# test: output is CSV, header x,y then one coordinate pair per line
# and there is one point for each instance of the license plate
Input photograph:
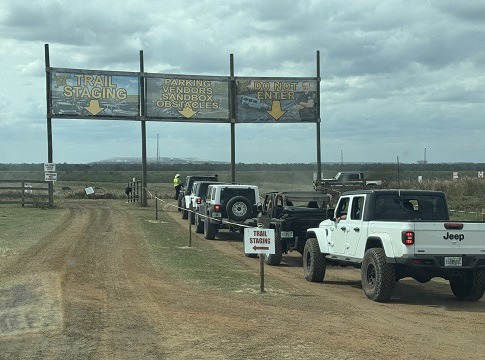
x,y
453,261
287,234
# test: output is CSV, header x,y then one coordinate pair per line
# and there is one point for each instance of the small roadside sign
x,y
480,174
259,241
50,176
49,167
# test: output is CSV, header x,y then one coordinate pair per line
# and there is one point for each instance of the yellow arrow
x,y
276,111
94,107
188,112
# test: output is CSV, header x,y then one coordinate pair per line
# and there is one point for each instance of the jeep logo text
x,y
458,237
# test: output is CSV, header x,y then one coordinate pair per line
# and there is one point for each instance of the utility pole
x,y
341,157
158,152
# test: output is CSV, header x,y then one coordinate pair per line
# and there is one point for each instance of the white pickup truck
x,y
393,234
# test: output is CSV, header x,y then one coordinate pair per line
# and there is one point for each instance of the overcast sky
x,y
399,78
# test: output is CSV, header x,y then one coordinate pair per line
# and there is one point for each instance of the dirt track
x,y
88,290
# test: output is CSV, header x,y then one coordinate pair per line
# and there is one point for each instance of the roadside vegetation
x,y
466,195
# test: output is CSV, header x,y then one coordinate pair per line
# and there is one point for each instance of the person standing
x,y
305,103
177,185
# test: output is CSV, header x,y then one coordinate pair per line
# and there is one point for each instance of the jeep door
x,y
342,226
355,225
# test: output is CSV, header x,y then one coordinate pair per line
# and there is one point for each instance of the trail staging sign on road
x,y
259,241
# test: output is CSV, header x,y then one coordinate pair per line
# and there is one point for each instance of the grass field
x,y
466,196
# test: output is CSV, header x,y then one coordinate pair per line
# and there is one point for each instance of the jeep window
x,y
357,207
315,202
342,208
417,207
201,190
228,193
209,194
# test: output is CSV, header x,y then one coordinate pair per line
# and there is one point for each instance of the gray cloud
x,y
397,76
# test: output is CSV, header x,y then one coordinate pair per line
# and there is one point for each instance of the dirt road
x,y
87,290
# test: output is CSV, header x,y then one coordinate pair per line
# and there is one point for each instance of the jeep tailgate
x,y
447,238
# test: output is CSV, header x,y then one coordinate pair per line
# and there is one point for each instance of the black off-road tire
x,y
377,276
185,213
275,259
239,208
251,255
210,230
199,224
470,287
314,262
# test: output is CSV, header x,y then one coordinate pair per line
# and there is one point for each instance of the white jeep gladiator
x,y
393,234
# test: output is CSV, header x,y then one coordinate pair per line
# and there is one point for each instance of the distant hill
x,y
153,160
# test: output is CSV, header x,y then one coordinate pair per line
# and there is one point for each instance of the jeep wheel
x,y
377,276
469,287
314,263
238,208
275,259
210,230
199,224
251,255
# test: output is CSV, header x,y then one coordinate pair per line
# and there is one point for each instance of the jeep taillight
x,y
217,207
408,237
198,200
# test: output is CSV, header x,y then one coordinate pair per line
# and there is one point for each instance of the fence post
x,y
156,205
23,193
190,228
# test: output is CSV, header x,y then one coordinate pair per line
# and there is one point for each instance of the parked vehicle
x,y
290,214
347,179
393,234
184,195
197,198
228,206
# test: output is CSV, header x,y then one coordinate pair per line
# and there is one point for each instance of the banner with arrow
x,y
94,94
265,100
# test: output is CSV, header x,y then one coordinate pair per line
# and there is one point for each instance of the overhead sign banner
x,y
261,100
94,94
170,97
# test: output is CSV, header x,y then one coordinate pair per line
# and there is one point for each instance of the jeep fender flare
x,y
382,240
322,240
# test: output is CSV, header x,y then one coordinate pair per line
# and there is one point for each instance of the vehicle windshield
x,y
317,202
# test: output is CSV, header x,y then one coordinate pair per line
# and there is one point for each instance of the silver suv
x,y
227,206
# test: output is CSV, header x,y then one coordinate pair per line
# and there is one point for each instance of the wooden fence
x,y
26,192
